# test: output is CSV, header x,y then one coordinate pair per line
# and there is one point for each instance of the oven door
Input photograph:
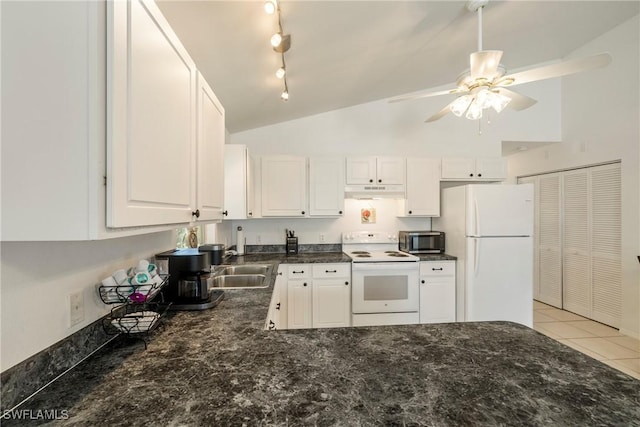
x,y
384,287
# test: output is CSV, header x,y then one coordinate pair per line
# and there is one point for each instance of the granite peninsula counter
x,y
220,367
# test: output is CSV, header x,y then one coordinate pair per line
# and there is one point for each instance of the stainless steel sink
x,y
240,281
232,270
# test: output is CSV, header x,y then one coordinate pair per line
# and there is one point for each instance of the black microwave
x,y
421,242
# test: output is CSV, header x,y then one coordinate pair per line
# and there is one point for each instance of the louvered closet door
x,y
576,256
550,239
536,231
606,244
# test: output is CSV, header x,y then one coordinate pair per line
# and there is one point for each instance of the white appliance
x,y
489,228
384,281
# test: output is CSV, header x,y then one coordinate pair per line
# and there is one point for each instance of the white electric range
x,y
385,281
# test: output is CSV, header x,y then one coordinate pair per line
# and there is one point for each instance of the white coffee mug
x,y
120,276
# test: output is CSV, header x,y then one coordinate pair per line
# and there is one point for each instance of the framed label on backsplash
x,y
368,215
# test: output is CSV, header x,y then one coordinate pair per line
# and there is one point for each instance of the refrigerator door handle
x,y
476,218
476,254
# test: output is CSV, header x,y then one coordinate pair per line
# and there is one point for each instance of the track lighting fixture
x,y
280,43
270,6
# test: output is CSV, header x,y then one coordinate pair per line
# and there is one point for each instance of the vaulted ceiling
x,y
345,53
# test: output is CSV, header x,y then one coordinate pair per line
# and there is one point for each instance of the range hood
x,y
374,191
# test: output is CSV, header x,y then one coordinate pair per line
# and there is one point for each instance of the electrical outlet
x,y
76,311
258,239
321,237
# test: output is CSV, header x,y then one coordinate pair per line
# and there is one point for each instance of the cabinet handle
x,y
302,212
436,269
346,283
298,272
470,174
410,212
340,212
279,273
196,213
278,306
422,281
250,213
479,175
331,271
380,180
225,213
304,284
271,324
370,180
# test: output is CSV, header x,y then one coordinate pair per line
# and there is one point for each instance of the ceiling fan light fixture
x,y
460,105
484,98
474,112
280,72
285,95
499,101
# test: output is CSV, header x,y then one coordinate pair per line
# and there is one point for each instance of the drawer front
x,y
299,271
324,271
438,268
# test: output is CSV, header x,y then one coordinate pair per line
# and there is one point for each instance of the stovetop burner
x,y
374,247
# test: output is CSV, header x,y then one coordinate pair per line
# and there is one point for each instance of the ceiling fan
x,y
484,84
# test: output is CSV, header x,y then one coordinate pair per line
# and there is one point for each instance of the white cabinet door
x,y
437,291
284,186
458,168
375,170
238,194
549,234
331,302
390,170
210,154
437,299
326,186
151,119
492,168
423,187
361,170
331,295
471,169
299,303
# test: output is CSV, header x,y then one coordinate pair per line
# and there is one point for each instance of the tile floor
x,y
591,338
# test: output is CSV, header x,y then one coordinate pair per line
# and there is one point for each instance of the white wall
x,y
38,277
600,122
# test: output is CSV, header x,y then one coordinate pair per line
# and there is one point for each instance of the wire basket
x,y
128,293
134,318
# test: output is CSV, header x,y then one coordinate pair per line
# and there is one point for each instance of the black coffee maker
x,y
189,278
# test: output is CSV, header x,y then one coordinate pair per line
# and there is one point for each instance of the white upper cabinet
x,y
210,154
474,169
284,186
375,170
114,150
326,186
238,189
423,188
151,119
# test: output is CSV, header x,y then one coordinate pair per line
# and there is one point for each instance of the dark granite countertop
x,y
436,257
280,258
220,367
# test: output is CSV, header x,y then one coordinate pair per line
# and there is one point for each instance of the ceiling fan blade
x,y
422,95
518,101
485,63
440,114
564,68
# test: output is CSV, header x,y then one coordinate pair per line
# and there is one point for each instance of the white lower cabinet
x,y
311,296
331,295
437,291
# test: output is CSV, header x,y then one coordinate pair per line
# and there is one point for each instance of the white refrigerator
x,y
489,228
